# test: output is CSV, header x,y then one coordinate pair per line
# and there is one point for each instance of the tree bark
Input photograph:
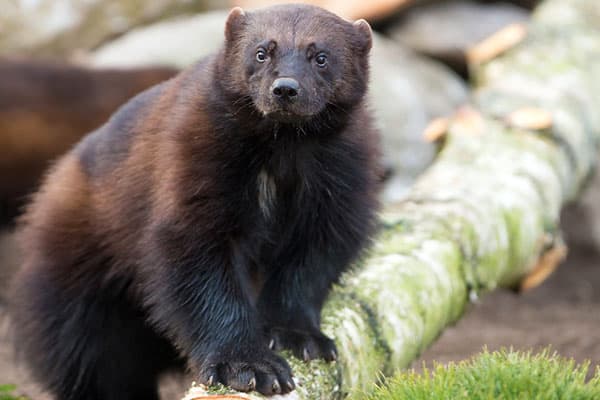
x,y
482,215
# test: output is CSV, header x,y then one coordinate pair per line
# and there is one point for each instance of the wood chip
x,y
468,121
497,44
530,118
436,129
547,263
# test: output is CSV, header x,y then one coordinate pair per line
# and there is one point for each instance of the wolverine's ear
x,y
234,24
366,35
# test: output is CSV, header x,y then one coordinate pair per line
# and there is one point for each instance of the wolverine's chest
x,y
278,181
266,192
284,186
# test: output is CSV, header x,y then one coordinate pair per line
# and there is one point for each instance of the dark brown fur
x,y
207,220
47,107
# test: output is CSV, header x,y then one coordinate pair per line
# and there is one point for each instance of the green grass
x,y
499,375
6,393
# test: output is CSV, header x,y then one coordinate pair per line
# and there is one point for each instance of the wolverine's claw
x,y
290,385
305,354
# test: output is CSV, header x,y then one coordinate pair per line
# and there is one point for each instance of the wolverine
x,y
204,224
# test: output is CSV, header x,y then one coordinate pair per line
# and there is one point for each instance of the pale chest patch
x,y
267,192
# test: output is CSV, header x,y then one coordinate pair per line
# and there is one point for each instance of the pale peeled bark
x,y
482,216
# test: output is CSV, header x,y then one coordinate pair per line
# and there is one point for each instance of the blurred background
x,y
66,65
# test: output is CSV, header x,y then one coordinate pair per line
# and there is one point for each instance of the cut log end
x,y
216,397
201,392
198,393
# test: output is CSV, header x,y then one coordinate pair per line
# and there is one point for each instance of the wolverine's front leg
x,y
291,302
196,297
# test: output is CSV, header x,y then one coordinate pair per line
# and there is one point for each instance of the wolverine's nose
x,y
285,88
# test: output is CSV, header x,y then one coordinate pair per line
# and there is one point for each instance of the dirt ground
x,y
564,313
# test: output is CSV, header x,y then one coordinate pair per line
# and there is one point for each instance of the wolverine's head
x,y
293,62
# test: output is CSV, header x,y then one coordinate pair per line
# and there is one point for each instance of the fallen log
x,y
46,107
484,215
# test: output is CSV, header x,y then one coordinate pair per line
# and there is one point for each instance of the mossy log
x,y
483,215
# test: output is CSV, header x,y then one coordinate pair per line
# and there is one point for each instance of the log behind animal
x,y
46,107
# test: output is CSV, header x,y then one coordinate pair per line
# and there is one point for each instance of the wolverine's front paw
x,y
305,345
264,371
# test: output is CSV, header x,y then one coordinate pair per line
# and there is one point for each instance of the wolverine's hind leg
x,y
84,341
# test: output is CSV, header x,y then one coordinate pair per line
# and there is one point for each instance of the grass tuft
x,y
6,393
504,375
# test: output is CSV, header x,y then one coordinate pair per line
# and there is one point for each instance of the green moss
x,y
316,376
496,375
363,354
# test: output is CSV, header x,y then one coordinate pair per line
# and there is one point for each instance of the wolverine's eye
x,y
321,60
261,55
